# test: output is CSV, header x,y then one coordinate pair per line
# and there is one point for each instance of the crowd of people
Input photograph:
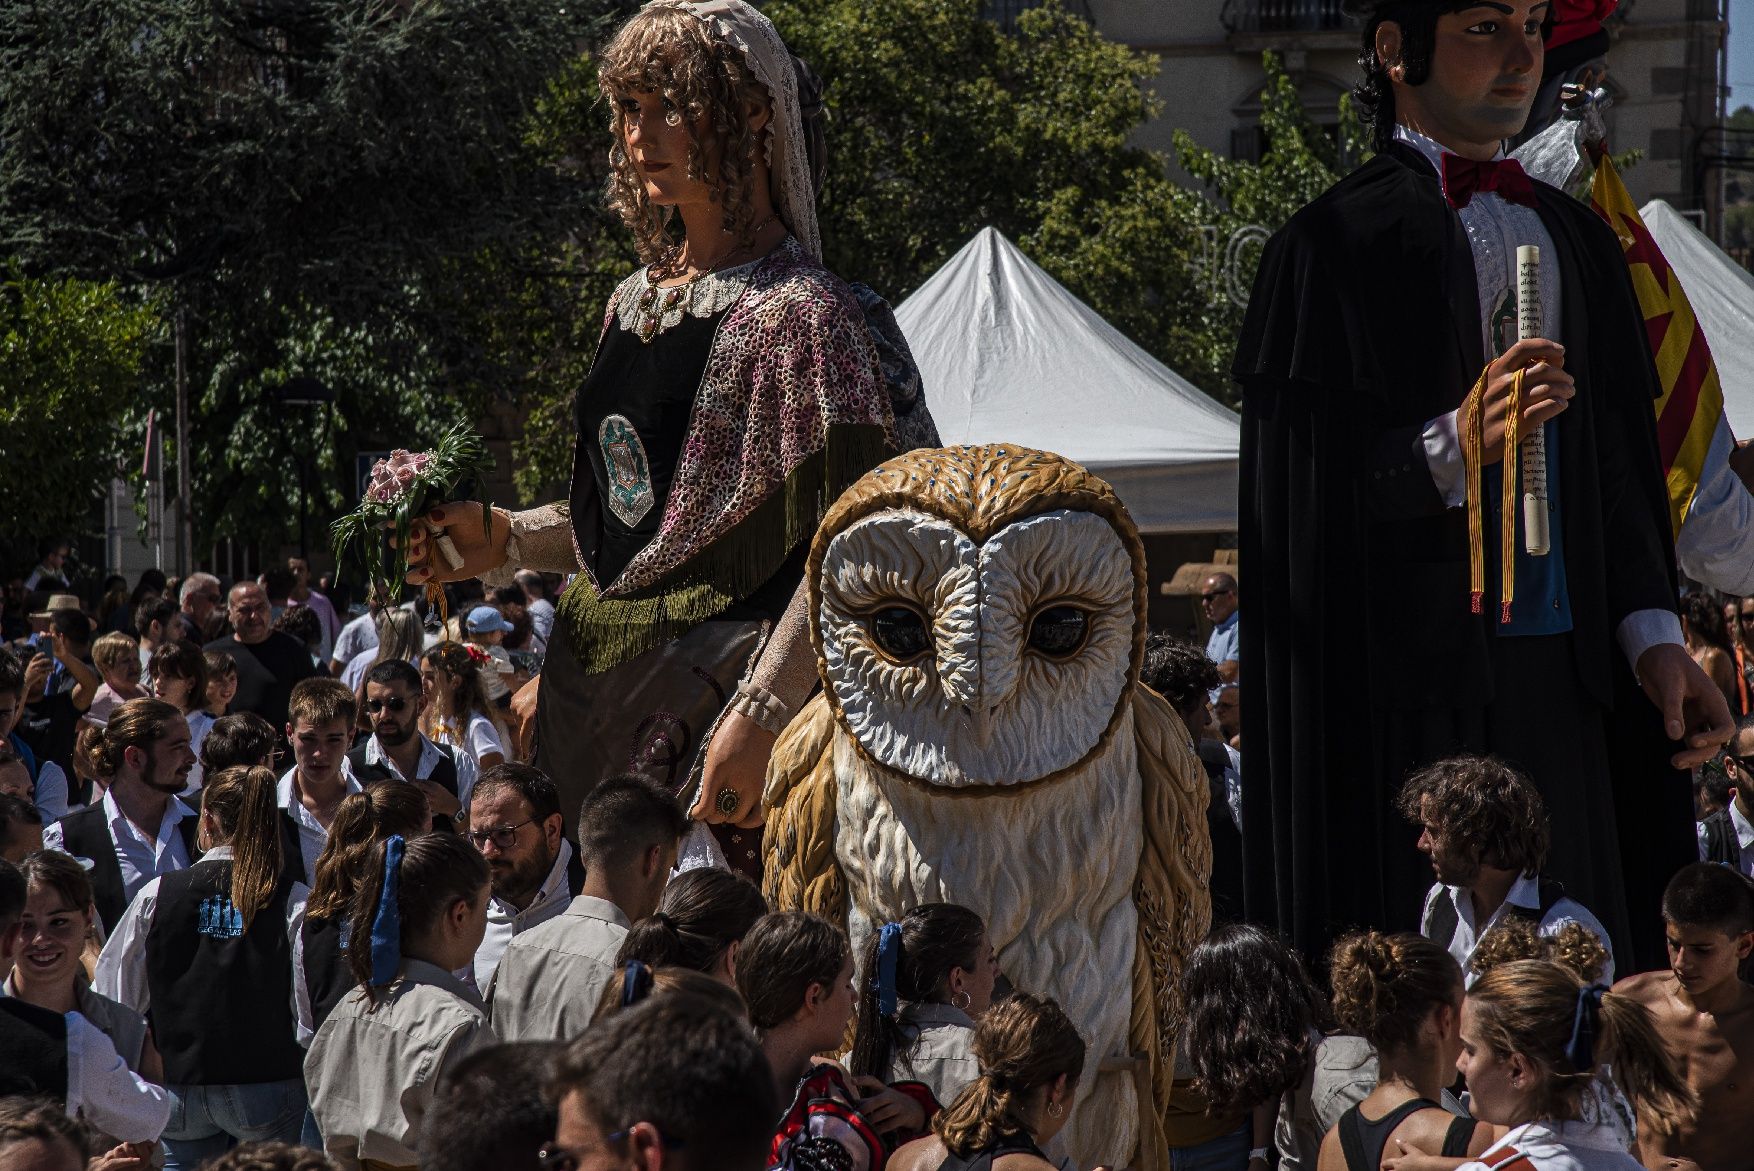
x,y
400,950
283,885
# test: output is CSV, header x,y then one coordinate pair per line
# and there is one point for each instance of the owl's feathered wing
x,y
801,873
1171,893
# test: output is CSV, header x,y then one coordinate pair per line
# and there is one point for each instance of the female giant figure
x,y
738,388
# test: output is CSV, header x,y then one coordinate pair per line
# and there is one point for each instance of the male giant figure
x,y
1375,311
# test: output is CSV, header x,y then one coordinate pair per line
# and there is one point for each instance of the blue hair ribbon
x,y
888,959
636,983
1581,1049
387,923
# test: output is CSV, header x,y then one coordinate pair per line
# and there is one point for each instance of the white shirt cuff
x,y
1643,629
1443,454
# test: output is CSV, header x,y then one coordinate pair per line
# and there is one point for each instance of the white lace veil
x,y
788,167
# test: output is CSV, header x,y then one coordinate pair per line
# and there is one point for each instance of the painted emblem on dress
x,y
630,473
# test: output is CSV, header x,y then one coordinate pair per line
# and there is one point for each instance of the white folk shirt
x,y
430,756
937,1049
552,977
1744,840
357,637
141,858
103,1091
504,920
1556,1146
121,967
1496,227
312,834
371,1071
1525,893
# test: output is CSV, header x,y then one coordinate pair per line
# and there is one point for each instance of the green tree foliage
x,y
337,189
70,356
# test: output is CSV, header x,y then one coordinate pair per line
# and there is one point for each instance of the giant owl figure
x,y
978,615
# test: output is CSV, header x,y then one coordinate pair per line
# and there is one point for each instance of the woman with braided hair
x,y
1030,1058
739,388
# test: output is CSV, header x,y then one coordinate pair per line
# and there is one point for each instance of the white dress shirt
x,y
140,857
121,967
1495,227
1525,893
551,978
505,920
430,756
103,1091
312,834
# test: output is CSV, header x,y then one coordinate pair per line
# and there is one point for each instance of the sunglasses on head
x,y
1215,594
395,703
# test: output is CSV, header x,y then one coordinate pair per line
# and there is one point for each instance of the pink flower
x,y
392,478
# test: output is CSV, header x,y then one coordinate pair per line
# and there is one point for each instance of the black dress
x,y
1363,326
651,715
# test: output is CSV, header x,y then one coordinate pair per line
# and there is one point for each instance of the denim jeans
x,y
210,1120
1227,1153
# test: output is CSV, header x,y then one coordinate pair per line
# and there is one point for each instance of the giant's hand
x,y
1547,391
736,763
463,523
1693,707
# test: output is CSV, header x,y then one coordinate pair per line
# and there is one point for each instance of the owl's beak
x,y
980,722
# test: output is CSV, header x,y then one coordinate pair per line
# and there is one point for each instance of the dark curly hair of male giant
x,y
1485,806
1250,1009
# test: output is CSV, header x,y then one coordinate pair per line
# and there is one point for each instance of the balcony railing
x,y
1284,16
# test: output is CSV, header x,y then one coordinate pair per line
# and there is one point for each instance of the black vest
x,y
1721,844
33,1043
1445,922
86,834
221,995
444,775
327,976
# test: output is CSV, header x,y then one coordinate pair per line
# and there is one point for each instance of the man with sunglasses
x,y
396,749
515,821
1224,646
1727,836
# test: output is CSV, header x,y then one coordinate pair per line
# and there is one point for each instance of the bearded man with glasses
x,y
515,821
396,749
1727,836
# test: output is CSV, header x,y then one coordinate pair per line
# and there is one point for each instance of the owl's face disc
x,y
962,663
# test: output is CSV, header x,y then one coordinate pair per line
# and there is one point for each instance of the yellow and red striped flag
x,y
1691,408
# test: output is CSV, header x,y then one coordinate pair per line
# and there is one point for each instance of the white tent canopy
x,y
1722,295
1008,355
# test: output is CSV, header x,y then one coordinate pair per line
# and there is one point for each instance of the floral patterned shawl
x,y
793,408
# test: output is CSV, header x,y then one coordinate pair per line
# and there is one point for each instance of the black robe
x,y
1360,656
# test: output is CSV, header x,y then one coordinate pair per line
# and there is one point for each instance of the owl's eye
x,y
1058,631
900,633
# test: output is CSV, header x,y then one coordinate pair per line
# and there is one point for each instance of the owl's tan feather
x,y
801,873
1172,891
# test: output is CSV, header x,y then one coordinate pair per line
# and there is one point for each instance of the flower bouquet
x,y
402,489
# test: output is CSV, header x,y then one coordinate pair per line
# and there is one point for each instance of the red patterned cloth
x,y
822,1130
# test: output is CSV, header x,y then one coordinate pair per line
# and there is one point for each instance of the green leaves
x,y
70,357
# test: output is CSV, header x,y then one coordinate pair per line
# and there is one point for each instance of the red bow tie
x,y
1465,178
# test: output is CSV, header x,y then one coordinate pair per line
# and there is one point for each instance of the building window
x,y
1283,16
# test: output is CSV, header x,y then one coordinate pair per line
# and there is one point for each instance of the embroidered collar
x,y
648,310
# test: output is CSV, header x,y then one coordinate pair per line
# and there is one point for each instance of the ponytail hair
x,y
910,961
1568,1029
701,914
1023,1044
407,889
636,982
1387,986
364,819
244,802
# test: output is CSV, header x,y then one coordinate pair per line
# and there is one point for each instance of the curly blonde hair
x,y
669,51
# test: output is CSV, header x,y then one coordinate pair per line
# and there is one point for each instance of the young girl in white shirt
x,y
457,710
1534,1037
371,1072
